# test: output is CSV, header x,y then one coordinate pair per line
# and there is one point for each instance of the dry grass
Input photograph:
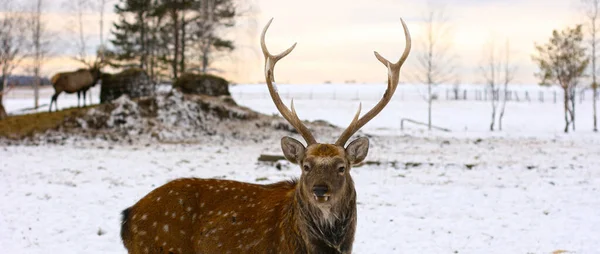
x,y
21,126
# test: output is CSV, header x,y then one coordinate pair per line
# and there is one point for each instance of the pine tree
x,y
165,37
131,34
562,61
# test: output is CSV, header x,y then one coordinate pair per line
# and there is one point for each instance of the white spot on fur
x,y
154,224
145,216
166,228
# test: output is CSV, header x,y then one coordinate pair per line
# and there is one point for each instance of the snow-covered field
x,y
529,189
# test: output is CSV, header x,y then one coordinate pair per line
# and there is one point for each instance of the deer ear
x,y
357,150
292,149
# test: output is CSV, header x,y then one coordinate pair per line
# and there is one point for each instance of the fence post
x,y
527,96
554,97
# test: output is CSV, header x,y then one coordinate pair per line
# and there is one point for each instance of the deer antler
x,y
290,116
393,78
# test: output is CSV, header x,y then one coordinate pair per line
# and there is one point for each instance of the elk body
x,y
79,81
314,214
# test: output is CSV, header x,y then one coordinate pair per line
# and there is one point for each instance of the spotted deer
x,y
314,214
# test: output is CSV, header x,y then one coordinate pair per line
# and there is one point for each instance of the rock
x,y
133,82
206,84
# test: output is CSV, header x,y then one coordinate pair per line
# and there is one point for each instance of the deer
x,y
313,214
79,81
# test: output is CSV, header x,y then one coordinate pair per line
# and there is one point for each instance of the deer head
x,y
325,168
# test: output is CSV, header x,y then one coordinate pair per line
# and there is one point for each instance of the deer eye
x,y
342,169
306,168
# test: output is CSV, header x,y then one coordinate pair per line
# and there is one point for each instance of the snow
x,y
528,189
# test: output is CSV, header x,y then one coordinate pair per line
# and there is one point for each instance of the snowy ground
x,y
530,189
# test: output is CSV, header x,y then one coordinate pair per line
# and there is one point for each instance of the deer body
x,y
314,214
79,81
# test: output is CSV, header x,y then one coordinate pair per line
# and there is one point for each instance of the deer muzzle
x,y
320,193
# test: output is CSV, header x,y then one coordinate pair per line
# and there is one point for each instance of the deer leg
x,y
84,93
78,96
53,100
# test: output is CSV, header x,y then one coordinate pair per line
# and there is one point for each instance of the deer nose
x,y
320,190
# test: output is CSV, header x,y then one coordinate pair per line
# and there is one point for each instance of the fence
x,y
369,92
374,92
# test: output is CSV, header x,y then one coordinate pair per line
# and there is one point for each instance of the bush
x,y
133,82
202,84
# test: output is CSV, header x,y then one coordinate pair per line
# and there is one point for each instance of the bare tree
x,y
592,11
508,76
77,26
12,43
435,62
490,70
40,38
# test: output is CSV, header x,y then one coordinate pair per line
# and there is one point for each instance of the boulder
x,y
206,84
133,82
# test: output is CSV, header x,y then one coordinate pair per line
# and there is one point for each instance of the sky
x,y
336,38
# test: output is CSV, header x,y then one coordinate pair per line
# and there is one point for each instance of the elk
x,y
79,81
313,214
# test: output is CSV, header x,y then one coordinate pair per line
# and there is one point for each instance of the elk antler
x,y
393,78
290,116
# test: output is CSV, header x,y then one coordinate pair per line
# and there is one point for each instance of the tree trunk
x,y
3,114
566,107
594,99
572,111
143,41
494,106
175,60
502,108
429,99
182,57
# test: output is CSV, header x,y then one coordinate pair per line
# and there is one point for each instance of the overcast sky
x,y
336,38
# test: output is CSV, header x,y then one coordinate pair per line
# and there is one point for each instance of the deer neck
x,y
326,230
